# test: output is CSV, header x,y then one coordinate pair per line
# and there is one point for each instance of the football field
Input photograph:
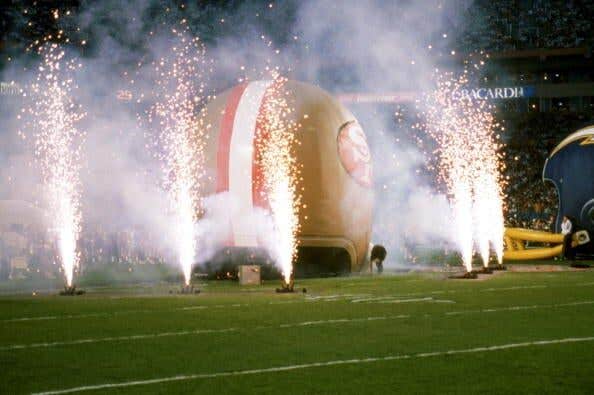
x,y
413,333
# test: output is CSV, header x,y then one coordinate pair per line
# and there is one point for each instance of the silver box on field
x,y
249,275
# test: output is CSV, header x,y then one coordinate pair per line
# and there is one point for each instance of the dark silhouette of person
x,y
378,255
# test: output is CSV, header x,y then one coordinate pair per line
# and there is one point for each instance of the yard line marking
x,y
515,288
52,317
516,308
308,323
190,332
322,298
56,317
344,320
338,296
395,300
113,313
115,339
285,302
392,299
289,325
87,315
285,368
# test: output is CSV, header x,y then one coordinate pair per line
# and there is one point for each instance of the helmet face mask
x,y
587,214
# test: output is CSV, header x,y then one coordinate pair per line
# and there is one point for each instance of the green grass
x,y
412,315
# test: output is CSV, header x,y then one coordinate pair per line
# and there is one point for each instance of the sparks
x,y
469,166
181,136
54,117
281,172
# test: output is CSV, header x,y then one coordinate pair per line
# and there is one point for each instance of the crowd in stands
x,y
531,202
508,25
27,250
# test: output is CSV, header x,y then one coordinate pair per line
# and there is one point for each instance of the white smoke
x,y
347,46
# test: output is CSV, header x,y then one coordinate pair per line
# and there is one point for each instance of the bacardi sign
x,y
9,89
509,92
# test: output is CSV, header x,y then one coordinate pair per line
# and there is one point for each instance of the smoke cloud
x,y
348,46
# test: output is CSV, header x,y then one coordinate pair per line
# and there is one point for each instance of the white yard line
x,y
393,300
516,308
381,298
515,288
13,347
115,339
354,361
123,312
71,316
344,320
192,332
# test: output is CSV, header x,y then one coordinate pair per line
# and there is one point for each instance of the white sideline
x,y
354,361
291,325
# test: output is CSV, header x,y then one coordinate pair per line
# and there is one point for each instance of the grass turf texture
x,y
410,314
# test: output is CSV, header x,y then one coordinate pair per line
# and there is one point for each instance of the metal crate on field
x,y
249,275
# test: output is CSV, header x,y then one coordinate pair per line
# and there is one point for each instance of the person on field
x,y
567,229
378,254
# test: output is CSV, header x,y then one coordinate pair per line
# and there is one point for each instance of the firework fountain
x,y
468,153
181,137
54,116
276,141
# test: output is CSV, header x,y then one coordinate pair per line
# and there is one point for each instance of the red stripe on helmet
x,y
224,146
